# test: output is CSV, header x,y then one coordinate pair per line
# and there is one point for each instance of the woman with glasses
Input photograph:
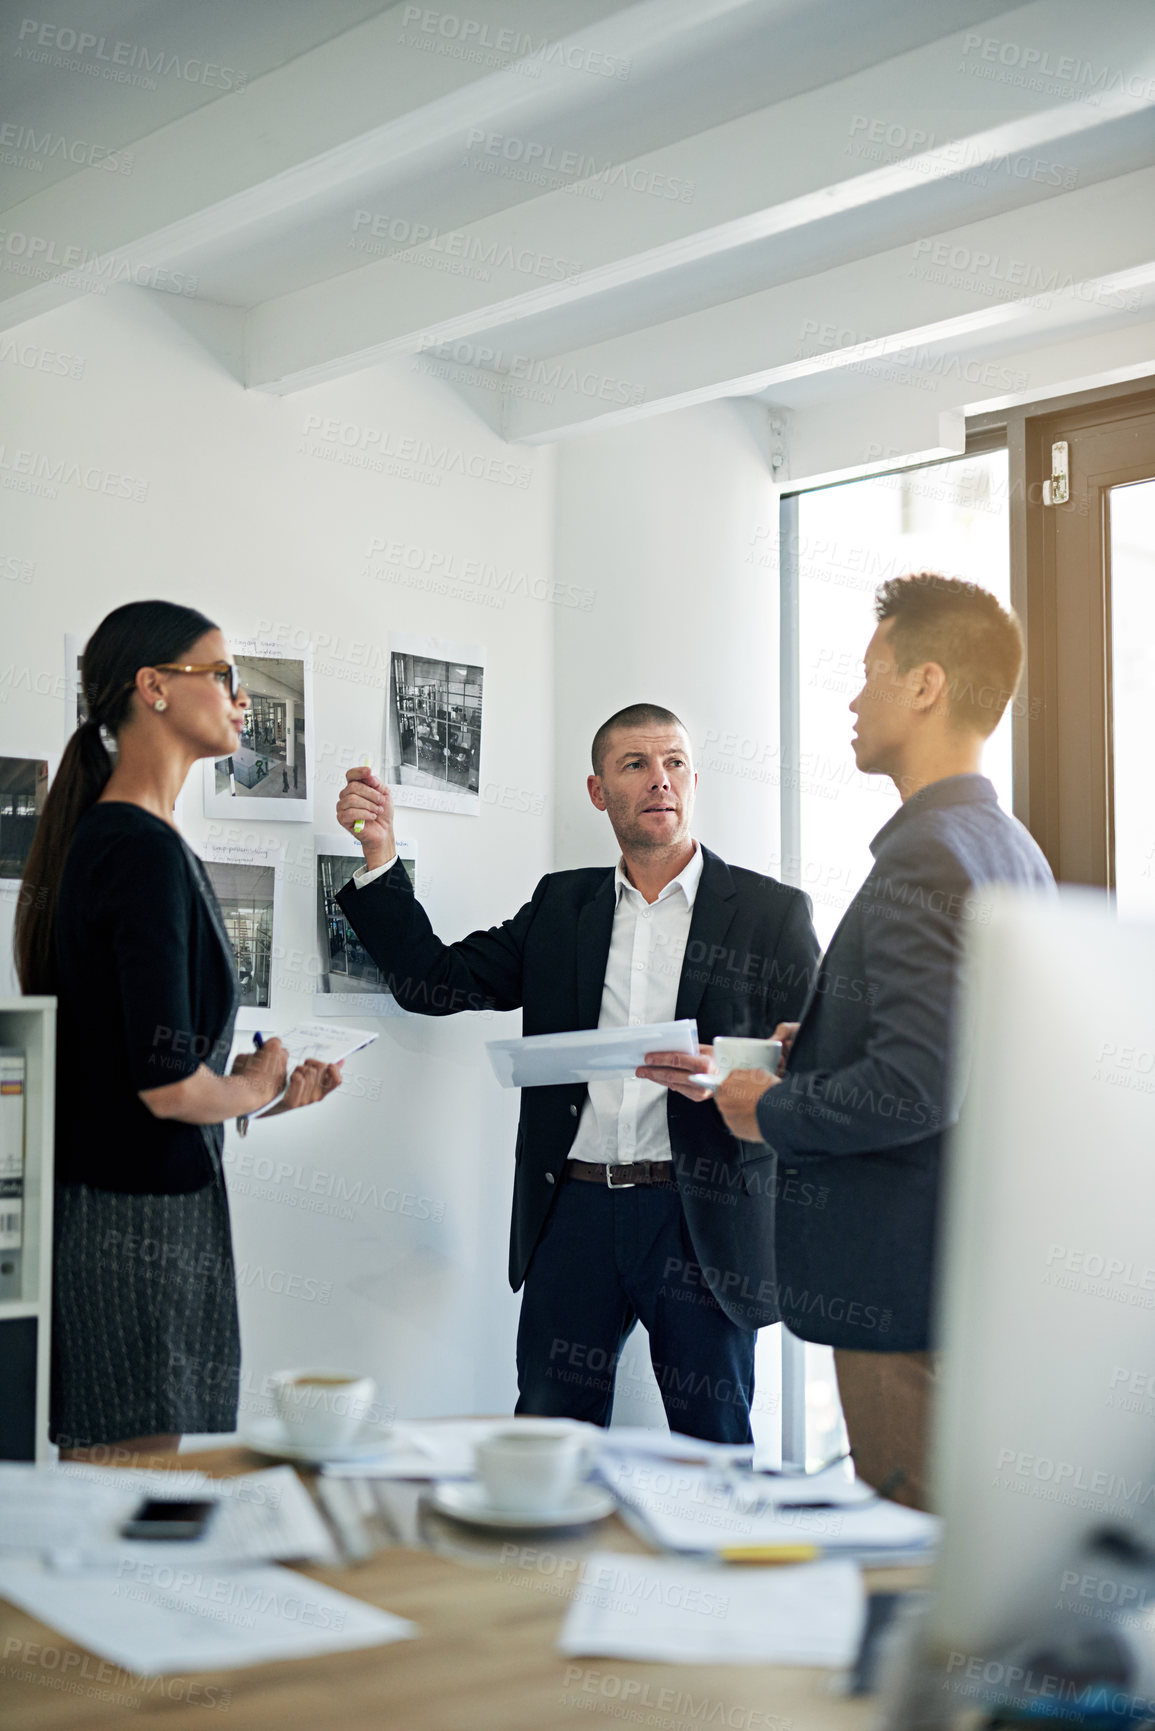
x,y
118,919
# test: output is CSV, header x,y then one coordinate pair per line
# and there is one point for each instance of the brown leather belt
x,y
624,1175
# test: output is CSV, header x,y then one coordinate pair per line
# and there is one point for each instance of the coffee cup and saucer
x,y
530,1473
321,1415
732,1053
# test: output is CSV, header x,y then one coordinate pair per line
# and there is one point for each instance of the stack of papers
x,y
706,1511
586,1054
683,1613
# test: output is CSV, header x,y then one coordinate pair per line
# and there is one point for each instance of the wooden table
x,y
485,1659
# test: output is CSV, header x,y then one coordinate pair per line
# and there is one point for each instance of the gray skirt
x,y
146,1339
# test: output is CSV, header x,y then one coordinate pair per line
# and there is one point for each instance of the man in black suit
x,y
870,1085
629,1204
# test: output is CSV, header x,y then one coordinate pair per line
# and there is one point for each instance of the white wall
x,y
666,520
669,521
239,519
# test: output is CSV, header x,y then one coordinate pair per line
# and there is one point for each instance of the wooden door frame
x,y
1053,801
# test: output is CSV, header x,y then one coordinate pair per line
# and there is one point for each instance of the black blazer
x,y
870,1086
147,989
749,959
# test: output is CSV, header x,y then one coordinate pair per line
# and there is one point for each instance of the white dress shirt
x,y
363,875
625,1120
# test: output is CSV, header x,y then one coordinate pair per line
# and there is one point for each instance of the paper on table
x,y
695,1614
636,1439
45,1508
260,1516
186,1620
73,1515
435,1449
444,1448
688,1508
586,1054
835,1484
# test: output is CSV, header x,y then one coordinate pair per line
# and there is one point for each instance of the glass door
x,y
838,545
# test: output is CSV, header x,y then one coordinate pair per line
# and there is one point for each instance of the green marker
x,y
360,823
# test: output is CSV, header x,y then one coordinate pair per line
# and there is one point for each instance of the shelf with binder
x,y
27,1088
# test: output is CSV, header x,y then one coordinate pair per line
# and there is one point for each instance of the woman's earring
x,y
160,705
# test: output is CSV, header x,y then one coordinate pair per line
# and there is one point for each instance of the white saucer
x,y
268,1436
467,1502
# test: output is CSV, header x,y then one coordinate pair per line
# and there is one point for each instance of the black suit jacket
x,y
147,989
750,957
871,1085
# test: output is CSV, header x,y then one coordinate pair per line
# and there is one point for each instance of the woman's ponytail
x,y
84,769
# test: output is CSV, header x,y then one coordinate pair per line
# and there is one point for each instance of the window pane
x,y
1132,683
950,517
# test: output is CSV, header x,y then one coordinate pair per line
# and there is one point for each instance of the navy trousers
x,y
606,1260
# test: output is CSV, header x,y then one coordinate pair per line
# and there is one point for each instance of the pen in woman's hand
x,y
243,1121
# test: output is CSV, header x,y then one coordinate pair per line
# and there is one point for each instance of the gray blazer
x,y
857,1121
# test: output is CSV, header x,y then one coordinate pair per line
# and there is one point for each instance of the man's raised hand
x,y
367,801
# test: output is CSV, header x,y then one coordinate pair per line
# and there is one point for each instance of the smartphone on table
x,y
158,1518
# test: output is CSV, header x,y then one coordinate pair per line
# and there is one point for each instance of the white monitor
x,y
1044,1427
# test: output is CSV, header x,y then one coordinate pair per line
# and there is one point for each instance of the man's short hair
x,y
636,715
976,641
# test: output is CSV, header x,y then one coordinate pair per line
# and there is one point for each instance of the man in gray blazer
x,y
868,1087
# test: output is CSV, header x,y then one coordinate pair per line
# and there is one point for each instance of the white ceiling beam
x,y
893,426
287,141
1082,252
935,115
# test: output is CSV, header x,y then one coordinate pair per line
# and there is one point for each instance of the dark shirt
x,y
147,992
874,1077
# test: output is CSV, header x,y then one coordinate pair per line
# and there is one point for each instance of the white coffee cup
x,y
322,1408
530,1466
736,1054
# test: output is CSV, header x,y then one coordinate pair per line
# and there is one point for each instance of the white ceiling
x,y
598,211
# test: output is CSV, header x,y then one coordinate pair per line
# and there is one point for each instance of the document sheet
x,y
327,1042
688,1613
71,1517
587,1054
160,1618
45,1508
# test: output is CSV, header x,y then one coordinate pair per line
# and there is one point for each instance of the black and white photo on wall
x,y
271,771
23,790
247,883
24,783
349,982
434,723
